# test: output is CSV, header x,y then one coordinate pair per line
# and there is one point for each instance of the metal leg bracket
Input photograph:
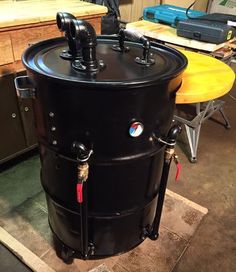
x,y
203,112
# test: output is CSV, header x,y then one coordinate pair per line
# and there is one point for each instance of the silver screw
x,y
51,114
13,115
54,142
26,109
53,128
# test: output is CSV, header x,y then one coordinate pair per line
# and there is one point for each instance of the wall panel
x,y
199,5
126,10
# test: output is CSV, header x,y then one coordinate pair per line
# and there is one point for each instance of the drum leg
x,y
63,252
169,152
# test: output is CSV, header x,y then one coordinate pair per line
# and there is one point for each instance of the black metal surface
x,y
120,72
99,110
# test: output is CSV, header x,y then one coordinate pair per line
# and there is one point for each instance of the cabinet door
x,y
12,138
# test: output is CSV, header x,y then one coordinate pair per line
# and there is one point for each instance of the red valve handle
x,y
178,167
80,192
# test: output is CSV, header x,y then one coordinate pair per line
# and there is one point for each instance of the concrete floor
x,y
27,222
211,183
7,258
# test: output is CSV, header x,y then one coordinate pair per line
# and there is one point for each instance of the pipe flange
x,y
79,65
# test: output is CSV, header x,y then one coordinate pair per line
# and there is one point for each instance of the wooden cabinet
x,y
6,54
35,22
22,38
13,137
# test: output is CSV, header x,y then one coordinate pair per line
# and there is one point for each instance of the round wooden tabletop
x,y
204,79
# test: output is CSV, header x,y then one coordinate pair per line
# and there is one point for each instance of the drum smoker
x,y
103,110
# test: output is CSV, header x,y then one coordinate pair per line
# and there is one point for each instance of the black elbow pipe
x,y
84,35
84,32
173,134
63,23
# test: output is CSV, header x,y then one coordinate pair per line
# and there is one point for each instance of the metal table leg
x,y
203,112
193,137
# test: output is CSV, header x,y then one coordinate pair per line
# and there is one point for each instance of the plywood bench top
x,y
167,34
204,79
39,11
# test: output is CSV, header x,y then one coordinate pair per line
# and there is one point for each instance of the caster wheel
x,y
154,236
62,251
67,255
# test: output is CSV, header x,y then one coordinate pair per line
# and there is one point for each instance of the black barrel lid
x,y
120,68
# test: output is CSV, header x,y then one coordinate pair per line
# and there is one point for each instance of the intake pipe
x,y
63,23
85,36
169,142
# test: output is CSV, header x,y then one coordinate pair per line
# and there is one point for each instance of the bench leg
x,y
193,138
227,123
193,127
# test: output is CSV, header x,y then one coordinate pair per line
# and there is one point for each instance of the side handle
x,y
24,87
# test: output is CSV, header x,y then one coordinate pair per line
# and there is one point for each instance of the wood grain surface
x,y
205,78
6,54
26,22
168,34
22,38
36,11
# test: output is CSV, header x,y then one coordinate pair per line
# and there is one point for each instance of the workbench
x,y
168,35
205,80
23,23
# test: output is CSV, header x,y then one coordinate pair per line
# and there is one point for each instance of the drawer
x,y
6,55
22,38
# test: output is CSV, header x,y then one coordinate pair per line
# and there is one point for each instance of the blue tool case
x,y
169,14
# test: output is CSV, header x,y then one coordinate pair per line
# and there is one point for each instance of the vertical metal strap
x,y
169,152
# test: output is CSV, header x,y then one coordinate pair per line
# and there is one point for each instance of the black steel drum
x,y
106,103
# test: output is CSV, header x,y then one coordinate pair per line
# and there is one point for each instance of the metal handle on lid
x,y
136,37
